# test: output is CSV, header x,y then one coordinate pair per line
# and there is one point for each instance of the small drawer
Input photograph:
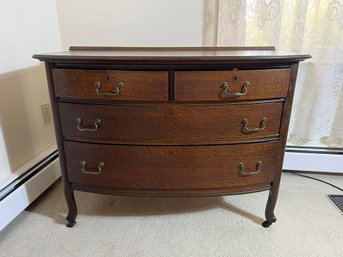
x,y
170,167
171,124
111,84
230,85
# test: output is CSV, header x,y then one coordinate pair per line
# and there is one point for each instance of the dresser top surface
x,y
91,53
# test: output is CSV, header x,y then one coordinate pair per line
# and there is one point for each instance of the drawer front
x,y
170,167
230,85
172,124
111,85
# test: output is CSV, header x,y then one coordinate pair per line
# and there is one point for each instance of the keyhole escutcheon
x,y
170,153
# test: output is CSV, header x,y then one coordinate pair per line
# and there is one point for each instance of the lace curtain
x,y
299,26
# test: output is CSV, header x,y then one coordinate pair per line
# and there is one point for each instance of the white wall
x,y
131,22
27,27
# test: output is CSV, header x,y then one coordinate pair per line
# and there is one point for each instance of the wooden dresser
x,y
171,121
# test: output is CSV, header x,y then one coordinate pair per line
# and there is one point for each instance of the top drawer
x,y
230,85
111,84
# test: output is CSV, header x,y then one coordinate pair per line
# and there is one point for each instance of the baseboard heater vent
x,y
314,159
22,191
317,149
28,175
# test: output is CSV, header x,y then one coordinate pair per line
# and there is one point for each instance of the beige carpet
x,y
308,225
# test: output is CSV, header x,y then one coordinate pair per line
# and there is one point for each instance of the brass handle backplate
x,y
117,86
245,173
244,89
84,169
245,123
78,121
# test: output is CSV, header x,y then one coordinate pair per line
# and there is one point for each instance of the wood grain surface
x,y
137,85
171,130
208,85
170,124
170,167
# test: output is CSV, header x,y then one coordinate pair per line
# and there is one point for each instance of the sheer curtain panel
x,y
306,26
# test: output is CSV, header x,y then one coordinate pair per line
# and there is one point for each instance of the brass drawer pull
x,y
84,169
78,121
118,86
245,173
244,89
245,123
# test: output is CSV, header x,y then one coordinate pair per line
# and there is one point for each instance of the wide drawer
x,y
171,124
111,84
170,167
229,85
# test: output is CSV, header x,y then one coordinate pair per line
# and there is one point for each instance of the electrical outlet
x,y
46,113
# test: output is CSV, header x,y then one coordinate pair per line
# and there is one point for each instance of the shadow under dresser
x,y
191,121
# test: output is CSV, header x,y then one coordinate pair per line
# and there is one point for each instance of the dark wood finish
x,y
68,192
208,85
274,190
174,56
177,192
200,48
136,85
170,167
170,124
170,132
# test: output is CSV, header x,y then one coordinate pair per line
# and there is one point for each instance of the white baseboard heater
x,y
24,189
314,159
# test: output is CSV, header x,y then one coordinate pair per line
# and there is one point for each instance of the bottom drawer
x,y
170,167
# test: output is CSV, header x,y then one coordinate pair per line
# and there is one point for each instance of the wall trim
x,y
16,174
314,159
22,195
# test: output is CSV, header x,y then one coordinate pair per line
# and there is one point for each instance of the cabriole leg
x,y
72,209
269,212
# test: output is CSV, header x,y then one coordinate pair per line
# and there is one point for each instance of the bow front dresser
x,y
171,121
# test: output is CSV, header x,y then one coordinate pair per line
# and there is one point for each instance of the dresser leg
x,y
269,212
72,209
